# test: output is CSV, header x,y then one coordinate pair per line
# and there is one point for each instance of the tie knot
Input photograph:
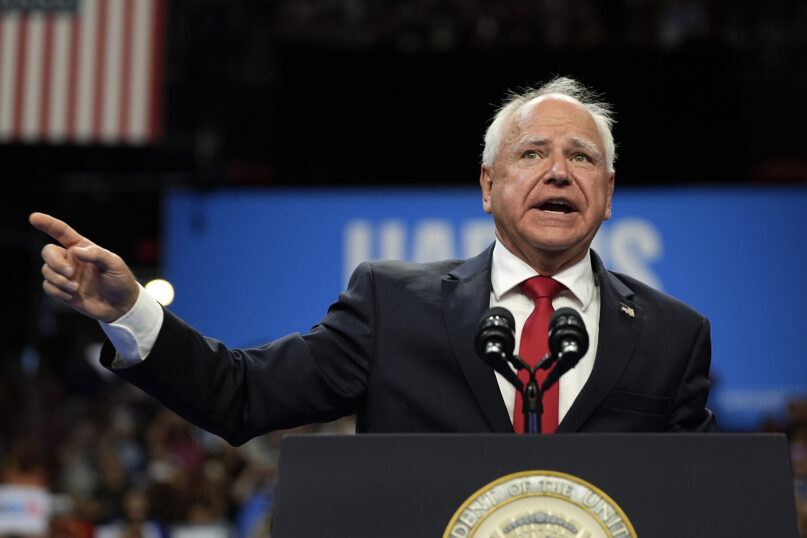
x,y
541,286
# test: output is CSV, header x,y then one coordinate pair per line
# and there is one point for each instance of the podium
x,y
667,485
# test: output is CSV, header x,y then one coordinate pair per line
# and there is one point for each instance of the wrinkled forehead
x,y
557,106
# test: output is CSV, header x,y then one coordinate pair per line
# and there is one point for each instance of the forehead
x,y
554,115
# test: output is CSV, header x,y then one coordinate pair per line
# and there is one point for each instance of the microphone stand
x,y
532,394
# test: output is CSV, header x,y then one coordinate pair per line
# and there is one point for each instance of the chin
x,y
554,243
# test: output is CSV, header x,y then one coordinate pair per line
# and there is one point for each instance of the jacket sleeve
x,y
240,393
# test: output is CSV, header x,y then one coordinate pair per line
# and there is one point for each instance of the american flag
x,y
81,71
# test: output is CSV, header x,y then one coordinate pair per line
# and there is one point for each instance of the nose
x,y
558,172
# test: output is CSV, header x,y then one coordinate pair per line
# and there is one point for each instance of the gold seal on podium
x,y
544,504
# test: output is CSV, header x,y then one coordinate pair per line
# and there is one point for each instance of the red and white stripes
x,y
89,76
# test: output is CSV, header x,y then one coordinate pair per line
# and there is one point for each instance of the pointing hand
x,y
89,278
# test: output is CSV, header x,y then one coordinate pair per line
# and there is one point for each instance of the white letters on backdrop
x,y
628,245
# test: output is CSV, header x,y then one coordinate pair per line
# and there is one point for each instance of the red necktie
x,y
534,346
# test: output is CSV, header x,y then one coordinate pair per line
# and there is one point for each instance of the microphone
x,y
495,340
568,341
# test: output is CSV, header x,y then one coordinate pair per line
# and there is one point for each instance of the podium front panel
x,y
668,485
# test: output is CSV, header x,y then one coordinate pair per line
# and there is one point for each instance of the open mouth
x,y
557,206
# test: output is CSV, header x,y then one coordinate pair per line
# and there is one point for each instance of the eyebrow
x,y
577,141
587,145
533,141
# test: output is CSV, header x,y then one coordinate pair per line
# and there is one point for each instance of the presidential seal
x,y
539,504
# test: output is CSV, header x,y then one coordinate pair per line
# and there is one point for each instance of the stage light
x,y
161,290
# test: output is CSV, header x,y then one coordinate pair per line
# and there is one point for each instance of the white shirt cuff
x,y
134,333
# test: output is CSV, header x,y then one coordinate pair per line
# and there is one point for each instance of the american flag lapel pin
x,y
627,310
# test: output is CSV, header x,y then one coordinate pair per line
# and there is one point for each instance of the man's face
x,y
549,188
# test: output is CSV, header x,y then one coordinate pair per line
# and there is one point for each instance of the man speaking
x,y
397,347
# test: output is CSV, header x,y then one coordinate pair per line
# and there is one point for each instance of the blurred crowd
x,y
115,464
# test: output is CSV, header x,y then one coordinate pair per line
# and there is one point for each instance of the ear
x,y
609,194
486,182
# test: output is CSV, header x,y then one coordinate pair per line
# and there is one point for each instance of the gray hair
x,y
599,110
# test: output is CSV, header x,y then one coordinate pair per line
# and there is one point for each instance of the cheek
x,y
498,205
503,207
599,198
510,193
514,188
506,198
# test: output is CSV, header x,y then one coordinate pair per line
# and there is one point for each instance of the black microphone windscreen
x,y
498,311
496,325
567,324
562,312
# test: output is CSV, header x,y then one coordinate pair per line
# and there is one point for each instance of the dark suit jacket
x,y
397,350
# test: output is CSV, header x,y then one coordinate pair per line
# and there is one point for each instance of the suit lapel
x,y
466,296
620,326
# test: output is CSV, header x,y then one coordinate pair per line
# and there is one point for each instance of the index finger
x,y
57,229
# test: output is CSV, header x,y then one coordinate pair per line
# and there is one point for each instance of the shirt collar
x,y
508,271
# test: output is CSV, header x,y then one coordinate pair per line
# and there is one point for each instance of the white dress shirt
x,y
581,293
134,333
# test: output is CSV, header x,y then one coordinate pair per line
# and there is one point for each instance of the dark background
x,y
320,93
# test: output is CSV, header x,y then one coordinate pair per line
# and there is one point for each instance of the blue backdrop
x,y
249,266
